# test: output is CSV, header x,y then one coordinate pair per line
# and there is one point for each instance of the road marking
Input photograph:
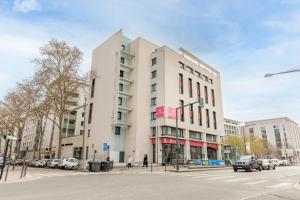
x,y
220,177
45,175
279,185
56,174
237,180
256,182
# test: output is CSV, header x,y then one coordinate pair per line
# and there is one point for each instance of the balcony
x,y
126,80
126,66
124,93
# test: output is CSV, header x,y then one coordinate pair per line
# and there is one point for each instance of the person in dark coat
x,y
145,162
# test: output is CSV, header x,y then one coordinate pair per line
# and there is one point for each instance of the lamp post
x,y
201,105
283,72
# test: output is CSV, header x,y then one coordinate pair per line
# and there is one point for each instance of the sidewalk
x,y
14,176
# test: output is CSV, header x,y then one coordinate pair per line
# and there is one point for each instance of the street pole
x,y
177,142
4,158
83,135
7,168
244,140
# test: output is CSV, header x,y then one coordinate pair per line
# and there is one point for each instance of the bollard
x,y
25,169
151,167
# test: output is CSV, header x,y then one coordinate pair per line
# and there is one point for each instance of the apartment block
x,y
73,130
282,133
231,127
135,90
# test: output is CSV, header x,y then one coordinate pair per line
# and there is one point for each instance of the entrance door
x,y
121,156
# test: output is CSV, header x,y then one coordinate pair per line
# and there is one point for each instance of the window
x,y
263,133
93,88
121,87
86,152
215,120
119,115
89,133
77,151
181,65
213,97
123,47
191,114
181,104
211,81
211,138
82,123
195,135
167,130
117,130
277,136
90,113
153,131
153,101
153,74
197,73
153,116
200,115
190,88
82,114
81,132
153,61
180,83
120,101
205,94
122,60
198,90
207,119
153,87
122,73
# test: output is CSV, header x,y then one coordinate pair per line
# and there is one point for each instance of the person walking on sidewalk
x,y
145,162
129,162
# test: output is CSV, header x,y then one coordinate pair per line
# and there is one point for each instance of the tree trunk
x,y
60,136
51,138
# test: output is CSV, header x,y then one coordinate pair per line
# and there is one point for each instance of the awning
x,y
196,143
166,140
212,145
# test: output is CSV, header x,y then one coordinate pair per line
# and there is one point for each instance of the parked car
x,y
275,161
48,162
71,163
286,163
267,164
55,163
247,163
18,162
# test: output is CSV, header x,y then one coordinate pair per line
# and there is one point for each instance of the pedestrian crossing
x,y
271,182
61,174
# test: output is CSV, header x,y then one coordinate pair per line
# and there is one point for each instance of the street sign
x,y
105,146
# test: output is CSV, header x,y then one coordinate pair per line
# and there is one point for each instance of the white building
x,y
134,92
282,133
231,127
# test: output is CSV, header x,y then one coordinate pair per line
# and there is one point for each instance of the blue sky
x,y
243,39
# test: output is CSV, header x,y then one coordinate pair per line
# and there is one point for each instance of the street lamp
x,y
283,72
201,105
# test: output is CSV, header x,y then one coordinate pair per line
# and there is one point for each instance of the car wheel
x,y
55,166
269,167
250,169
260,168
235,170
274,167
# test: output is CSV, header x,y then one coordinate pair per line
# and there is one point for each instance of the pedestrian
x,y
107,159
129,162
145,162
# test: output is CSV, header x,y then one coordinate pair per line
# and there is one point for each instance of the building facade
x,y
231,127
73,130
282,133
135,90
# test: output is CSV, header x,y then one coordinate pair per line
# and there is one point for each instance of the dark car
x,y
247,163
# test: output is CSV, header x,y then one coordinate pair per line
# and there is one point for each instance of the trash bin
x,y
94,166
104,166
110,165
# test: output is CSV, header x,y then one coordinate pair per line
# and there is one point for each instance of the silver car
x,y
268,164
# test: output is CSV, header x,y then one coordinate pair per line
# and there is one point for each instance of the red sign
x,y
196,143
212,145
153,141
160,111
171,113
171,141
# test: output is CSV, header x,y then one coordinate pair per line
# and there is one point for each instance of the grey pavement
x,y
159,185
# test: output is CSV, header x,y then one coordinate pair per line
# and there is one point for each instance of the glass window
x,y
153,101
215,120
122,60
153,131
191,114
121,87
195,135
180,83
89,133
153,61
153,74
213,97
181,65
206,94
93,88
207,119
153,87
153,116
122,73
117,130
190,88
77,151
90,113
181,104
200,115
119,115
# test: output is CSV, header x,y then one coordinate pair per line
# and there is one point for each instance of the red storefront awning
x,y
153,141
212,145
166,140
196,143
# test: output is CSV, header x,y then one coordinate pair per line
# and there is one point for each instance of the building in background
x,y
282,133
73,130
135,90
231,127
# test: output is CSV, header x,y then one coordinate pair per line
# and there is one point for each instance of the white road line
x,y
220,177
45,175
279,185
237,180
56,174
256,182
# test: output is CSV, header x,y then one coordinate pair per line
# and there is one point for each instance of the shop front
x,y
169,150
196,150
212,151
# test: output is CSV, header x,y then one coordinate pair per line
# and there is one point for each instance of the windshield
x,y
245,158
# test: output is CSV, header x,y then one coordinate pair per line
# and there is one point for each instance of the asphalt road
x,y
140,185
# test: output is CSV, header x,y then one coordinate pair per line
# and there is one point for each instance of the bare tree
x,y
58,74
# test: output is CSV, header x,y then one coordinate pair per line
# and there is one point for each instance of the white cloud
x,y
26,6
